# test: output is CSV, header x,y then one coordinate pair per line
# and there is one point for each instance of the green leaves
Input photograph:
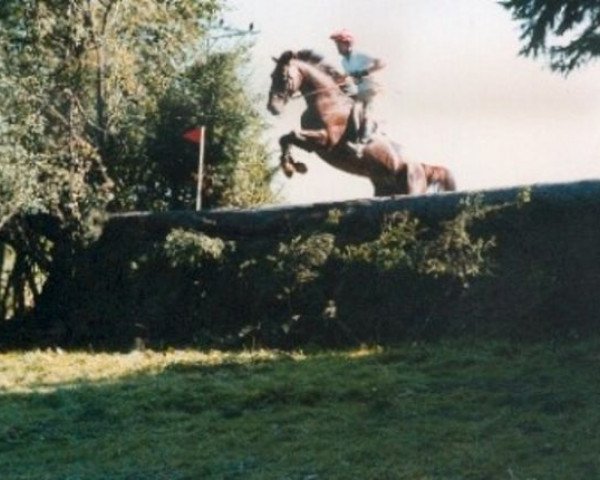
x,y
192,250
86,87
213,94
568,31
395,247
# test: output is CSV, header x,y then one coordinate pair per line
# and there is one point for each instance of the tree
x,y
82,86
210,93
568,31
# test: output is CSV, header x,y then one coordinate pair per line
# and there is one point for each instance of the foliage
x,y
567,30
212,93
311,289
86,89
190,249
77,77
316,286
467,410
451,252
394,248
455,252
299,261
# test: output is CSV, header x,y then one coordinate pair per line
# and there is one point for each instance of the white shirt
x,y
355,62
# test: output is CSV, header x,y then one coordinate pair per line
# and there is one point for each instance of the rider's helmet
x,y
343,36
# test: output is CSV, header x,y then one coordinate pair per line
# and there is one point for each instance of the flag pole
x,y
200,170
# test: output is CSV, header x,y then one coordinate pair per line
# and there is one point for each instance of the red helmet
x,y
342,36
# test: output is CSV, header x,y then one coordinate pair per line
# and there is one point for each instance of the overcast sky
x,y
455,91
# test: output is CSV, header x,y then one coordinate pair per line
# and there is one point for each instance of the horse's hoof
x,y
288,169
300,167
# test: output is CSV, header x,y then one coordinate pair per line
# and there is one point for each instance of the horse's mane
x,y
316,59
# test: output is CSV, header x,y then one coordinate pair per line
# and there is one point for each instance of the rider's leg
x,y
368,125
357,116
362,126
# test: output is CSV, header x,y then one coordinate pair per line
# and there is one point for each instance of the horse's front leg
x,y
307,140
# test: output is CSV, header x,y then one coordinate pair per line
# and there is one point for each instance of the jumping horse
x,y
327,125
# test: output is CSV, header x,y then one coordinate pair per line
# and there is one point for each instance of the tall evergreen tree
x,y
568,31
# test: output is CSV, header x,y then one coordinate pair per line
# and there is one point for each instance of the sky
x,y
455,92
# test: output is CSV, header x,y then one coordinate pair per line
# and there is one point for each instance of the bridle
x,y
290,88
292,91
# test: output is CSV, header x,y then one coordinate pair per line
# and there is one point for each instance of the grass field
x,y
437,411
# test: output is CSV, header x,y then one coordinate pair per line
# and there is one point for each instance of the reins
x,y
298,94
338,86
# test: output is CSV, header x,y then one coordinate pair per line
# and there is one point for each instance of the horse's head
x,y
285,81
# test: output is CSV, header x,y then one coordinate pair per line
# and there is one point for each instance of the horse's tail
x,y
439,177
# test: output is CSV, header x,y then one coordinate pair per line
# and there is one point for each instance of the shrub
x,y
319,286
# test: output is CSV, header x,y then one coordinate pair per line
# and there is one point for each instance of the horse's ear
x,y
275,59
286,56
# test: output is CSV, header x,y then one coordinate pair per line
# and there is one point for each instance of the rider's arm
x,y
376,64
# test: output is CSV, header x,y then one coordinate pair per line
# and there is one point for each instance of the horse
x,y
327,125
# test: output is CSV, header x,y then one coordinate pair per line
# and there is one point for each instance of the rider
x,y
359,67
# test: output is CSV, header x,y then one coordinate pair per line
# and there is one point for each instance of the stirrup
x,y
357,148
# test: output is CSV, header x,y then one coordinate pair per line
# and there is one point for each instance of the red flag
x,y
193,135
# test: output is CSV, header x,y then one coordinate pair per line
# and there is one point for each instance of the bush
x,y
318,286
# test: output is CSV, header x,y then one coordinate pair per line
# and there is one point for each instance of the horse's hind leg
x,y
385,187
410,179
416,179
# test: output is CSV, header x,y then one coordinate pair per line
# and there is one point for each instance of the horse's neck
x,y
316,83
327,106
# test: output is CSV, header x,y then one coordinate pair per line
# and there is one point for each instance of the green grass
x,y
443,411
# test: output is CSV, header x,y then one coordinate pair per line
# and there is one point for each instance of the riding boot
x,y
366,131
364,134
